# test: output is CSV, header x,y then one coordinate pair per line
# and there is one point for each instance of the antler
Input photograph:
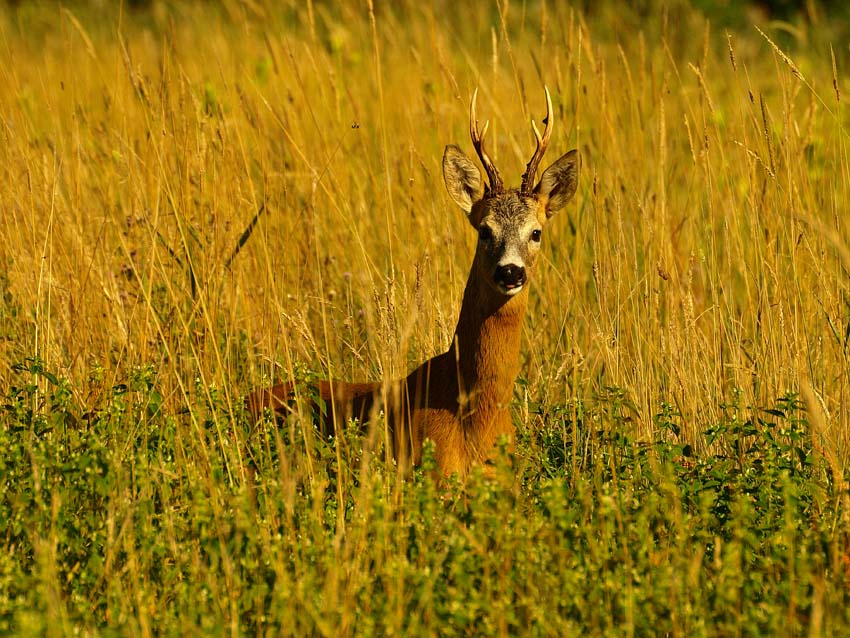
x,y
496,185
542,143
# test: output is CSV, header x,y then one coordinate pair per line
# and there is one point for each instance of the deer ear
x,y
558,183
462,177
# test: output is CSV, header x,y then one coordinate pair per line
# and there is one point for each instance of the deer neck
x,y
486,345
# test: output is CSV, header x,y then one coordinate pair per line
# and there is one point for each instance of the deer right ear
x,y
462,177
558,183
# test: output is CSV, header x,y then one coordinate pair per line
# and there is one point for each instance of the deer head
x,y
509,222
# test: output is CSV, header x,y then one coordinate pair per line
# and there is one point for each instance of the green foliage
x,y
128,516
748,522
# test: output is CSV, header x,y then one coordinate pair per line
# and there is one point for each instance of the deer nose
x,y
510,276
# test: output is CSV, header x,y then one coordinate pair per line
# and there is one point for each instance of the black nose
x,y
510,276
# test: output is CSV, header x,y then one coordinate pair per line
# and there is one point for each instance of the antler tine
x,y
542,143
496,185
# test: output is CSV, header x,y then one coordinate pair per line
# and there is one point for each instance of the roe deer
x,y
460,399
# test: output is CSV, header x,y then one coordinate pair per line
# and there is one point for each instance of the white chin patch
x,y
510,292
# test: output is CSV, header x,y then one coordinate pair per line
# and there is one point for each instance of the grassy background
x,y
683,410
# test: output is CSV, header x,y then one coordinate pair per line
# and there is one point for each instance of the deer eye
x,y
536,234
484,233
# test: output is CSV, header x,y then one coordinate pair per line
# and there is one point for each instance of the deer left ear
x,y
558,183
462,177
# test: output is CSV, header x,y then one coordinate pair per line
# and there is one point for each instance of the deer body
x,y
460,398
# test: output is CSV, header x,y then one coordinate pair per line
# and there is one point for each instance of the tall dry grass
x,y
705,256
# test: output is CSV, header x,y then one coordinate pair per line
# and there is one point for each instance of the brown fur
x,y
459,399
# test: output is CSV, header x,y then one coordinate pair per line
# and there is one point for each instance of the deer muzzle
x,y
510,278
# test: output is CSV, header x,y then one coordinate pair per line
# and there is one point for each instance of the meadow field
x,y
198,199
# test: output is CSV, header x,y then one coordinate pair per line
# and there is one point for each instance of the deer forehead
x,y
512,215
